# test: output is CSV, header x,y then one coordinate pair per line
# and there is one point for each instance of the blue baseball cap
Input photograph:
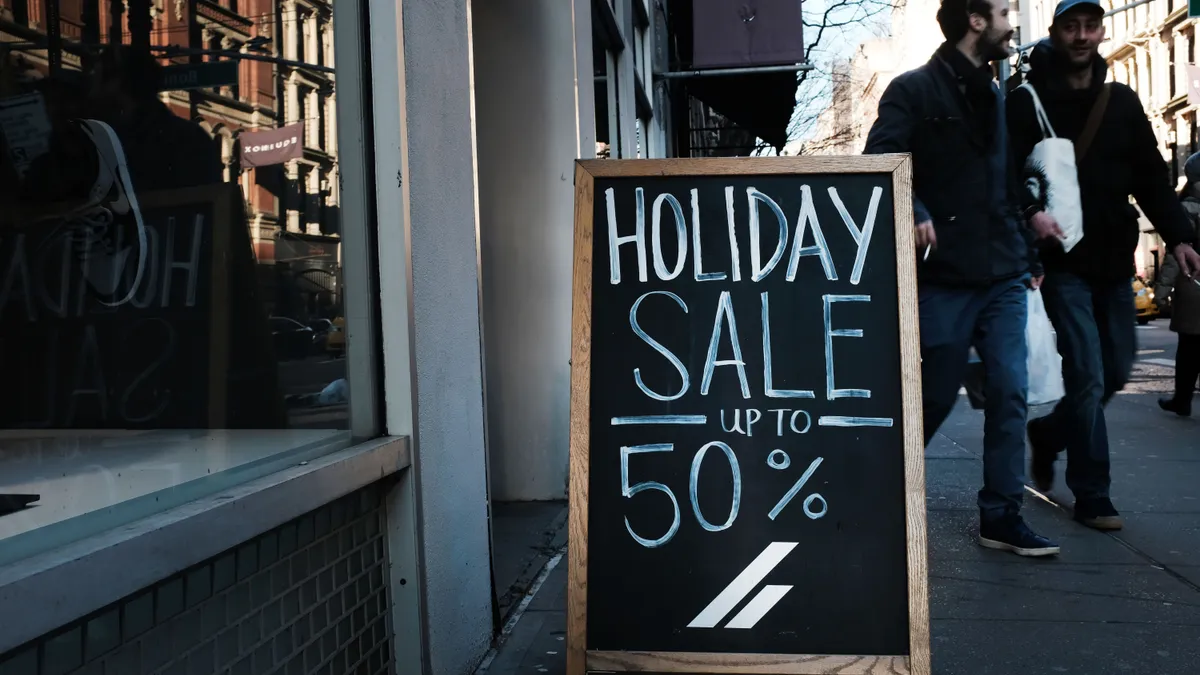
x,y
1065,6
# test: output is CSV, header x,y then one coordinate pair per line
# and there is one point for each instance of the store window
x,y
172,277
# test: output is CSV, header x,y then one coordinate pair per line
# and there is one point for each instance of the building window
x,y
1171,70
189,348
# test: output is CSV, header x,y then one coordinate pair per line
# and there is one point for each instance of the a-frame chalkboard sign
x,y
747,475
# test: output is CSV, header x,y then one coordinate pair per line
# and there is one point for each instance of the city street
x,y
1127,602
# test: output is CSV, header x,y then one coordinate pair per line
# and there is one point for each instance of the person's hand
x,y
925,237
1188,259
1035,283
1045,226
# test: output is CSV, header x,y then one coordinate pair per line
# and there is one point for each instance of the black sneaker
x,y
1041,456
1012,534
1174,405
1098,513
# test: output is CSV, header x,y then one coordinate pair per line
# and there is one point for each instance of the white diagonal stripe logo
x,y
740,587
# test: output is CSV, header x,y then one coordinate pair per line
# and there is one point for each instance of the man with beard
x,y
975,260
1087,290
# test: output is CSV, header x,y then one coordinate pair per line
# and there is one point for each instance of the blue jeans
x,y
1094,321
991,319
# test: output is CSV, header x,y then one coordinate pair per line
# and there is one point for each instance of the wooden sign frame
x,y
579,658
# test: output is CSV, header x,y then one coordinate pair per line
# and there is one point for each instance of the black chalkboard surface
x,y
165,359
747,485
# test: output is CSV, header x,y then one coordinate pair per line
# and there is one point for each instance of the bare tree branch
x,y
827,22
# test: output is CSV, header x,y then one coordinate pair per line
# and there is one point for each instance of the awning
x,y
741,34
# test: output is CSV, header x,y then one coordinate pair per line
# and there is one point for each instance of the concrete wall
x,y
529,135
429,297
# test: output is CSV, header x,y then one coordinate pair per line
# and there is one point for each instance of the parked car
x,y
292,339
1143,302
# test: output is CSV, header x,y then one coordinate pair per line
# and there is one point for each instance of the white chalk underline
x,y
659,419
835,421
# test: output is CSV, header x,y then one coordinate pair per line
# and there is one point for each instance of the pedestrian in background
x,y
974,264
1185,304
1088,290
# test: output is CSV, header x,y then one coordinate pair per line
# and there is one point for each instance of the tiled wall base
x,y
308,598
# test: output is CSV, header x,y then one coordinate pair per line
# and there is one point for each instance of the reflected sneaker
x,y
107,234
1041,456
1098,513
1012,534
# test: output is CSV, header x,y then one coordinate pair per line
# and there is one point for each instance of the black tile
x,y
264,659
139,615
224,572
337,514
180,667
304,531
170,600
250,632
199,585
271,619
287,540
247,560
186,631
24,662
203,660
239,602
213,616
227,647
280,582
243,667
156,648
321,523
283,645
63,652
127,659
268,549
260,589
291,606
102,634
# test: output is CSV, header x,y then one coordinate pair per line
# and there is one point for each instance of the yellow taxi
x,y
335,341
1143,302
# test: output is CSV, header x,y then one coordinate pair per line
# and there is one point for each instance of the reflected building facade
x,y
292,208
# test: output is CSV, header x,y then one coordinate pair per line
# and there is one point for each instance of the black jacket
x,y
1122,161
963,180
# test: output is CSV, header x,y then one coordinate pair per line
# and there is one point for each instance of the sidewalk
x,y
1123,603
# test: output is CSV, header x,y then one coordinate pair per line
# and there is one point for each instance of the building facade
x,y
200,487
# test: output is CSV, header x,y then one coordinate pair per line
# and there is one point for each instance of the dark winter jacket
x,y
1122,161
950,116
1184,293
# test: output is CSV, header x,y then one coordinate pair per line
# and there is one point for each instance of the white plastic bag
x,y
1052,177
1045,363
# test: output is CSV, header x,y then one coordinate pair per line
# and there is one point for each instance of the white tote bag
x,y
1051,175
1044,362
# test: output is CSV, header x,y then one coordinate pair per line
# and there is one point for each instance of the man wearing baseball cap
x,y
1087,290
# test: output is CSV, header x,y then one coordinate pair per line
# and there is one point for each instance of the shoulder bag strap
x,y
1040,112
1093,123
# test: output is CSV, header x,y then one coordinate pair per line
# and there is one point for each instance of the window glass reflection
x,y
170,245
